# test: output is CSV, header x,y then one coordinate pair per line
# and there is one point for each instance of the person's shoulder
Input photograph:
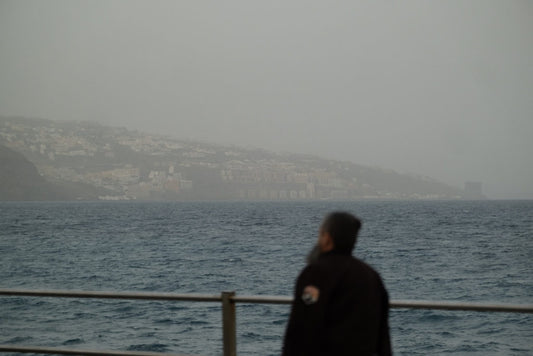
x,y
314,274
323,265
361,265
314,267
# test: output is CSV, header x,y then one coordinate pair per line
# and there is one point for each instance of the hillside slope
x,y
20,180
123,164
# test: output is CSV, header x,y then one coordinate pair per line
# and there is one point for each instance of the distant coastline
x,y
88,161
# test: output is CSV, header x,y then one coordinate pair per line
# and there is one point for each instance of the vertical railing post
x,y
229,328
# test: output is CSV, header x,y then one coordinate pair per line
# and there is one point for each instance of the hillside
x,y
20,180
131,165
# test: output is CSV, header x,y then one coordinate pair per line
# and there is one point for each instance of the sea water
x,y
425,250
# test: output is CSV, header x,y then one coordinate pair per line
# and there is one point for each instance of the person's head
x,y
338,232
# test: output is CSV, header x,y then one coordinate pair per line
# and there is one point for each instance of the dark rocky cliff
x,y
20,180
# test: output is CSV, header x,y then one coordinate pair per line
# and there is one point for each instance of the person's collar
x,y
336,252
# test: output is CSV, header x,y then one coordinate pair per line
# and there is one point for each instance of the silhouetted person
x,y
340,303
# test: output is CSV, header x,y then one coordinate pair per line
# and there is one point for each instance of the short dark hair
x,y
343,228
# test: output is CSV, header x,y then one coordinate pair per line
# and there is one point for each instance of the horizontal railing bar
x,y
262,299
444,305
255,299
112,295
411,304
60,351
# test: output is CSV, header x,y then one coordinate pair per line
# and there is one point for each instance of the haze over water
x,y
441,89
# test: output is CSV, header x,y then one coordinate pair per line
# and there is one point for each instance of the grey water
x,y
479,251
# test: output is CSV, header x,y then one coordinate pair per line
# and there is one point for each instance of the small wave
x,y
514,349
176,308
491,331
186,330
123,309
279,321
155,347
464,349
18,339
447,334
252,335
73,342
431,317
198,322
148,334
164,321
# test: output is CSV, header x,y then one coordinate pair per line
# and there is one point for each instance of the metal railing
x,y
228,301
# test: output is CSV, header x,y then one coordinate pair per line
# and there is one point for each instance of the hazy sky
x,y
437,88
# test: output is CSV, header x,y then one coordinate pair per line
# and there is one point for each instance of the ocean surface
x,y
455,251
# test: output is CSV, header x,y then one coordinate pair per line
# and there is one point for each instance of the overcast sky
x,y
436,88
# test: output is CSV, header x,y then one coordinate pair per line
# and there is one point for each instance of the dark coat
x,y
350,316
